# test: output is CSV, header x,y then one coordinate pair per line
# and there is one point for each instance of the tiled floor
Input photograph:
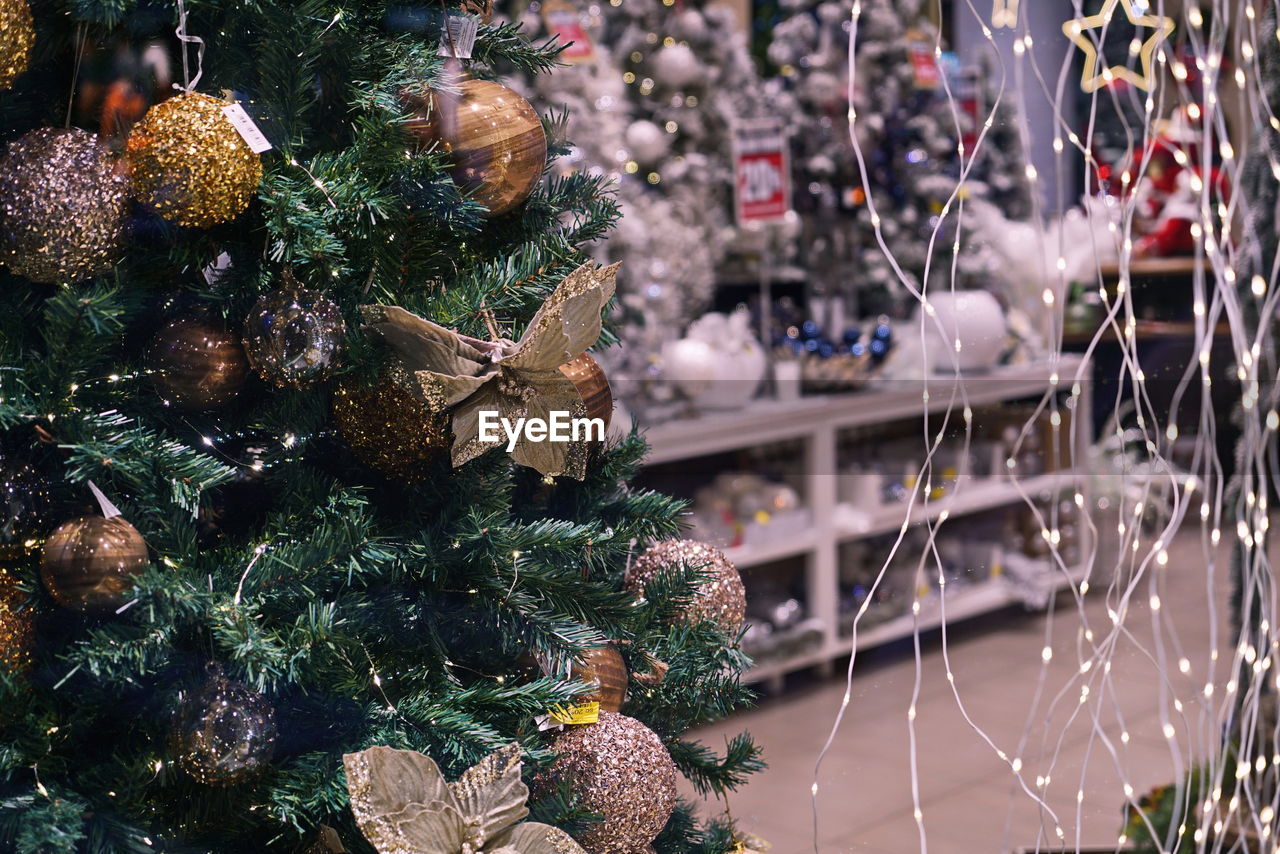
x,y
967,793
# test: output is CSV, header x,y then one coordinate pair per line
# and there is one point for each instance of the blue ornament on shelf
x,y
810,330
852,336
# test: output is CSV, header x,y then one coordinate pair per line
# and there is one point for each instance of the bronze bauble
x,y
721,598
89,563
197,365
593,386
494,137
621,770
389,429
604,668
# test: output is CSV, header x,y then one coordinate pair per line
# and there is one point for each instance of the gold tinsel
x,y
63,206
17,626
389,429
17,35
620,769
721,598
190,164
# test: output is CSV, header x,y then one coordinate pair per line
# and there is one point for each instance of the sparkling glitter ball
x,y
389,429
17,625
17,35
721,597
190,164
223,733
293,337
63,206
619,769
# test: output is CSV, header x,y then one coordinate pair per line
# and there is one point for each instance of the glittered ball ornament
x,y
293,337
620,770
17,625
63,206
389,429
17,36
223,733
24,510
89,563
197,365
493,136
721,598
190,164
593,386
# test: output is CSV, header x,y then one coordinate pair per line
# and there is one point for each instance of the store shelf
x,y
766,421
815,423
966,604
745,556
967,497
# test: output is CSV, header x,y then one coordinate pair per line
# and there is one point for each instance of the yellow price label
x,y
582,713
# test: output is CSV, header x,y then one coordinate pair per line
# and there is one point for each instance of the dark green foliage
x,y
368,611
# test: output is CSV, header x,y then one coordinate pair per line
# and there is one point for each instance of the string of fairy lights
x,y
1211,701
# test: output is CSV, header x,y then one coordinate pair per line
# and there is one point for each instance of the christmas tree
x,y
253,527
652,100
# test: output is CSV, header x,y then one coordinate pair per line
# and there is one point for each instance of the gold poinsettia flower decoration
x,y
465,376
403,805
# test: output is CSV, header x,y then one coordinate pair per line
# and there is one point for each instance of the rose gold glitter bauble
x,y
190,164
17,36
197,365
721,598
389,429
17,625
89,563
593,386
63,206
493,135
619,769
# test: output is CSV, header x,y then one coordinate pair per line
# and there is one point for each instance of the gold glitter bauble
x,y
17,35
619,769
495,137
389,429
89,563
63,206
190,164
223,733
17,625
721,598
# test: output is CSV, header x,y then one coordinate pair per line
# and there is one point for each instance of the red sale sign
x,y
563,19
762,172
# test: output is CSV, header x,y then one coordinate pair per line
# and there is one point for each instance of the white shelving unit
x,y
817,423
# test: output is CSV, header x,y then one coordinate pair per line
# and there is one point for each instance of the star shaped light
x,y
1134,10
1005,14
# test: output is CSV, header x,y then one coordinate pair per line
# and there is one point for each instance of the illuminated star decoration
x,y
1005,14
1094,79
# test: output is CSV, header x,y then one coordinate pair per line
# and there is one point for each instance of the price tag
x,y
924,63
563,19
249,131
458,36
762,171
562,716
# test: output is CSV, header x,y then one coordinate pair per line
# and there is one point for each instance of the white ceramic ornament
x,y
691,24
648,142
719,364
974,319
676,67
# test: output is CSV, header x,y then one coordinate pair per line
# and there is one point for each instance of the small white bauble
x,y
691,365
648,142
974,319
691,24
676,67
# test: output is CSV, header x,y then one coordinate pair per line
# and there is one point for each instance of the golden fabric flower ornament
x,y
403,805
465,376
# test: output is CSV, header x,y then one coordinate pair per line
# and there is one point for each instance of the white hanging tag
x,y
214,272
104,503
458,36
249,131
